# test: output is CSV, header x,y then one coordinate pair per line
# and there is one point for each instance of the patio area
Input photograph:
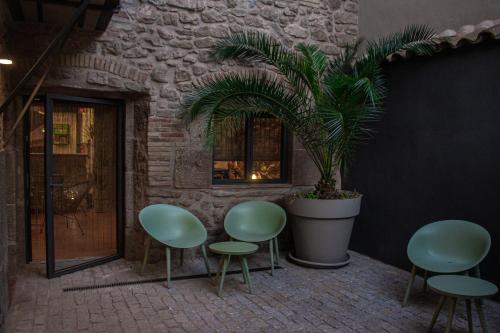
x,y
364,296
132,129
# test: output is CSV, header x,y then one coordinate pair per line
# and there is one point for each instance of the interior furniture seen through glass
x,y
252,152
84,180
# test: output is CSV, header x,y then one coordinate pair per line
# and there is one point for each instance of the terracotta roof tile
x,y
465,35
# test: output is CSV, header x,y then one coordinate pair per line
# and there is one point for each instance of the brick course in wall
x,y
150,55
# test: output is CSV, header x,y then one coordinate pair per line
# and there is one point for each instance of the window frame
x,y
248,154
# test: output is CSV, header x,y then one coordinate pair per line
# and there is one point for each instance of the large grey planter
x,y
322,230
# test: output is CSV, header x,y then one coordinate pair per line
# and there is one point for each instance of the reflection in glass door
x,y
74,163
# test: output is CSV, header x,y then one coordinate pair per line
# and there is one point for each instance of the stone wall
x,y
150,55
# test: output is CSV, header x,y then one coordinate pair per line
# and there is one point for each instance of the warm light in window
x,y
5,62
254,176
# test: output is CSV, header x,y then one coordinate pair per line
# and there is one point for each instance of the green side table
x,y
453,287
228,249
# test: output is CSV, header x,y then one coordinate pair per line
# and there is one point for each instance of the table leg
x,y
436,313
243,270
482,319
469,315
219,268
247,273
227,259
450,315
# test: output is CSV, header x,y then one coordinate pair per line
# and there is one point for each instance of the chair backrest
x,y
461,241
255,221
68,199
172,226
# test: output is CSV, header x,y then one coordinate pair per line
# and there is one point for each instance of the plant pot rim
x,y
341,199
325,208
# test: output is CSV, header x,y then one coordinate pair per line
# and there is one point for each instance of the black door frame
x,y
48,167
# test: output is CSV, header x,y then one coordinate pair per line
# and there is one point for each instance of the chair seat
x,y
441,264
252,237
461,286
184,242
233,248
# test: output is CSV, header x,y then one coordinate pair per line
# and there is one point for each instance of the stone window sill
x,y
247,186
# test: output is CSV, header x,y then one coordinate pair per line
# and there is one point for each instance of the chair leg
x,y
80,227
476,272
425,280
469,315
482,318
276,250
246,272
147,244
271,252
436,313
167,252
227,259
205,259
181,263
450,315
410,284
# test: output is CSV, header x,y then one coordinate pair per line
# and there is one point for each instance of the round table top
x,y
233,248
461,286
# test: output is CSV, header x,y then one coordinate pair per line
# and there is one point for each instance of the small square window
x,y
253,153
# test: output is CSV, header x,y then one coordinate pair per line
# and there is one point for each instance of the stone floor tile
x,y
364,296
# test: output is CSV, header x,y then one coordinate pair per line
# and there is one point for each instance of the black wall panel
x,y
436,154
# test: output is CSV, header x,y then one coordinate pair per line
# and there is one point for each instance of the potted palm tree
x,y
329,105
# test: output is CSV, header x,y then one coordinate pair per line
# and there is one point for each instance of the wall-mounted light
x,y
254,176
5,61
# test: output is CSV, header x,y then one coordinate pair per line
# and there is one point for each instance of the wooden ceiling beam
x,y
16,10
105,16
74,4
39,11
82,19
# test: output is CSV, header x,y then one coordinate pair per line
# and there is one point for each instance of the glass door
x,y
75,159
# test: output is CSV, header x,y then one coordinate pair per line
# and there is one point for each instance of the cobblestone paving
x,y
362,297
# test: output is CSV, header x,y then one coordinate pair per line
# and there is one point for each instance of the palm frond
x,y
255,46
239,97
329,105
314,65
345,61
418,39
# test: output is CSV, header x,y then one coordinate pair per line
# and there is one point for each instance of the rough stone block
x,y
296,31
193,168
304,172
97,78
212,16
182,75
160,74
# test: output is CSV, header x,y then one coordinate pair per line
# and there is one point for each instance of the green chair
x,y
175,228
257,221
447,247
